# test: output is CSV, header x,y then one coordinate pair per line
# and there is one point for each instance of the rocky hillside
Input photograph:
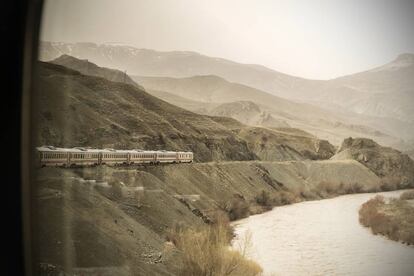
x,y
80,110
191,105
383,92
248,113
329,125
378,92
343,109
384,161
285,144
114,221
91,69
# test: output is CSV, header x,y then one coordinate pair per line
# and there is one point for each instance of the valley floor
x,y
118,218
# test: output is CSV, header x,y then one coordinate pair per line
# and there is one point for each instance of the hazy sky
x,y
309,38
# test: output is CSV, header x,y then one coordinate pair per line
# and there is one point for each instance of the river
x,y
322,237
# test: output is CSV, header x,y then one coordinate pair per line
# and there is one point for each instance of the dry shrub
x,y
352,188
173,232
222,219
369,210
206,251
237,208
263,199
284,198
408,195
407,236
327,189
390,183
381,223
303,193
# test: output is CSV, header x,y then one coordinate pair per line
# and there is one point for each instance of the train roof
x,y
107,150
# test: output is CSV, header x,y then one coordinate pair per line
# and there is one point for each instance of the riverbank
x,y
110,214
322,237
393,218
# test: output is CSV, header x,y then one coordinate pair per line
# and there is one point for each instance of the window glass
x,y
175,134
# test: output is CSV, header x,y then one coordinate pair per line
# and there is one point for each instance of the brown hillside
x,y
384,161
79,110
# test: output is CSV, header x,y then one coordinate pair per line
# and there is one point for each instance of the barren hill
x,y
384,161
381,92
249,113
329,125
191,105
91,69
91,111
285,144
80,110
115,220
373,102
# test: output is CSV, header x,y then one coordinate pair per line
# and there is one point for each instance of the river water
x,y
322,238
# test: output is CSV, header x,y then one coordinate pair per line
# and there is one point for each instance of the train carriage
x,y
51,156
84,157
115,157
167,157
70,157
143,157
185,156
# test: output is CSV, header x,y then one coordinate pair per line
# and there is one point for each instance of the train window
x,y
256,92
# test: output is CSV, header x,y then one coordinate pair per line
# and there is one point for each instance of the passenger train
x,y
79,156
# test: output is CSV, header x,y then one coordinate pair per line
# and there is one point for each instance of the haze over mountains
x,y
376,103
84,110
268,110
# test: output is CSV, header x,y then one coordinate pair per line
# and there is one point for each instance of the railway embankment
x,y
119,217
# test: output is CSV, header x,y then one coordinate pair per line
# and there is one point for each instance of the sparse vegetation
x,y
352,188
264,200
390,183
206,251
408,195
279,198
285,198
393,218
236,208
303,193
328,189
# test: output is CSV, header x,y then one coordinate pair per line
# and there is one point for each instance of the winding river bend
x,y
322,238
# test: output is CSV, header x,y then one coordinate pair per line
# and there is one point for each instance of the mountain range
x,y
76,109
375,103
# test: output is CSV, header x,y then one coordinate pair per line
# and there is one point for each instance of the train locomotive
x,y
50,156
